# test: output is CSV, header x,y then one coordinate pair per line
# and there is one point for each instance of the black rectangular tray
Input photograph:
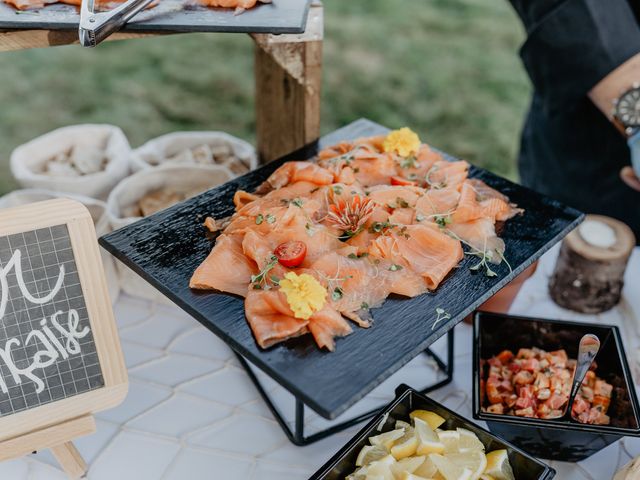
x,y
281,16
167,247
525,467
564,440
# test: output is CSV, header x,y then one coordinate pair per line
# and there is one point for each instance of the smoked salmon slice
x,y
214,273
271,319
319,244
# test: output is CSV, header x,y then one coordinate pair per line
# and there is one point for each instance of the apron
x,y
570,151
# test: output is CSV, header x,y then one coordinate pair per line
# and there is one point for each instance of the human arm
x,y
607,91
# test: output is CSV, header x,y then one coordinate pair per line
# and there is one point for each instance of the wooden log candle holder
x,y
589,273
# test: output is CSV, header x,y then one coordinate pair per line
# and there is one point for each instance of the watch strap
x,y
634,146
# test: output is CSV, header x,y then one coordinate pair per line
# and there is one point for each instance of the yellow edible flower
x,y
404,142
304,294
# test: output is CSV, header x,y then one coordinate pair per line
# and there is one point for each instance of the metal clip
x,y
96,26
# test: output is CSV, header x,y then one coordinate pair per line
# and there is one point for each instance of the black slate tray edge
x,y
105,242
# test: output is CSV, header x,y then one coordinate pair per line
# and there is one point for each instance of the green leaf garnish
x,y
337,294
259,219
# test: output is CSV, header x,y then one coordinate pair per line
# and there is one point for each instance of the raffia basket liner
x,y
124,199
98,210
176,149
28,160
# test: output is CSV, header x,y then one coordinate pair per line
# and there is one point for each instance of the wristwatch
x,y
626,116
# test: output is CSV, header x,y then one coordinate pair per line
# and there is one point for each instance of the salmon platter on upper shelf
x,y
243,16
331,268
325,241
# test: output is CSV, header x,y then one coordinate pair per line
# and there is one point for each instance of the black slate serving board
x,y
166,248
281,16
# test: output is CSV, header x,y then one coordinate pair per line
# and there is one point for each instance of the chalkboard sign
x,y
47,350
60,356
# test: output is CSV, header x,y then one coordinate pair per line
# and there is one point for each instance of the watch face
x,y
628,108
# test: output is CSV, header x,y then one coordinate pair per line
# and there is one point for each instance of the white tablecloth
x,y
192,412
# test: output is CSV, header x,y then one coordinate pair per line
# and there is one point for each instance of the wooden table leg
x,y
70,460
288,71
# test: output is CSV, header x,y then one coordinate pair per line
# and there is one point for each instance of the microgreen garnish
x,y
337,189
409,162
270,218
259,219
420,217
485,256
433,185
442,220
380,227
440,316
260,280
310,230
275,280
395,267
337,294
297,202
364,306
402,202
354,256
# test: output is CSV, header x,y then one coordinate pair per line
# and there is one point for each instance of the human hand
x,y
629,177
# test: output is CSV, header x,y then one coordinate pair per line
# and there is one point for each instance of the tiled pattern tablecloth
x,y
192,412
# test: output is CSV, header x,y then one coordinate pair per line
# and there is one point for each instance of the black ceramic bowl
x,y
525,467
566,440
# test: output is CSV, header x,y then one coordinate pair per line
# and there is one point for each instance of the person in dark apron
x,y
583,58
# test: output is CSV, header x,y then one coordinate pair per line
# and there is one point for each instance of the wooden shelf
x,y
288,77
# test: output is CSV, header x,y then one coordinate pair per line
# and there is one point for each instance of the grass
x,y
447,68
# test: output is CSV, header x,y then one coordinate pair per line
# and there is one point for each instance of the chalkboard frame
x,y
94,289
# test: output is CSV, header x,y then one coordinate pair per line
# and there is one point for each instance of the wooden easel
x,y
56,424
288,78
58,438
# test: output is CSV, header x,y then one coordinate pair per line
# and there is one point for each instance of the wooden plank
x,y
288,72
403,328
11,40
57,24
47,438
70,460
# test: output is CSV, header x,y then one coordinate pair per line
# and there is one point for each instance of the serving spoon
x,y
587,351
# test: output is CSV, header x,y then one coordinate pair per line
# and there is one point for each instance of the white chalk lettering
x,y
49,346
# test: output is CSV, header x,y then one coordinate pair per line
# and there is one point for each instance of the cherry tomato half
x,y
399,181
291,254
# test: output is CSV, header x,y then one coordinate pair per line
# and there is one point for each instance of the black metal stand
x,y
297,436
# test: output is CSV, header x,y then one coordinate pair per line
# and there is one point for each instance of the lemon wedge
x,y
498,465
387,439
402,424
427,469
370,453
428,441
433,419
468,441
409,465
474,460
381,468
410,476
450,440
449,470
406,445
